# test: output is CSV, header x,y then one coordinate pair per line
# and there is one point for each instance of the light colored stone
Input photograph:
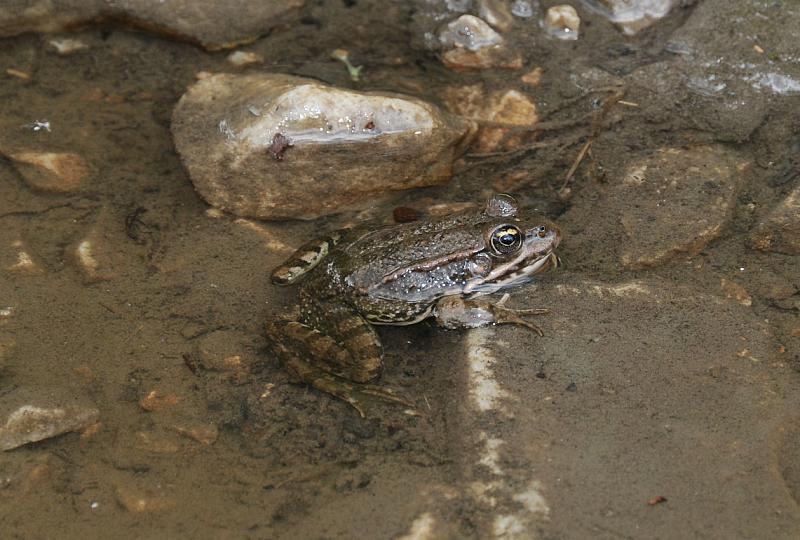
x,y
204,433
66,47
469,32
244,58
56,172
212,24
632,16
24,262
275,146
562,22
469,43
497,13
28,416
779,231
509,107
141,500
102,253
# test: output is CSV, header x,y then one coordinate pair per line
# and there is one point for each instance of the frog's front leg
x,y
457,312
335,350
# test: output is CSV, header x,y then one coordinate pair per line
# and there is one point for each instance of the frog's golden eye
x,y
505,239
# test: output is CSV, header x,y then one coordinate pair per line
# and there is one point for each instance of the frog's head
x,y
514,248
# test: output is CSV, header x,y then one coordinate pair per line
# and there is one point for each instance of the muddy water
x,y
573,441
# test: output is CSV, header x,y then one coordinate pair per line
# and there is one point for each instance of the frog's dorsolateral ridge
x,y
399,275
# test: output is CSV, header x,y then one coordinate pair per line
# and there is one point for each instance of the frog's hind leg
x,y
305,259
312,357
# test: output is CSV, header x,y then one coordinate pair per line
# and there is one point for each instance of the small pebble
x,y
244,58
65,47
562,22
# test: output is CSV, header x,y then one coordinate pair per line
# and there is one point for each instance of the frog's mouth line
x,y
515,277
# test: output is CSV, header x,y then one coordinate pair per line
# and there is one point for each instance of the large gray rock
x,y
275,146
214,24
728,85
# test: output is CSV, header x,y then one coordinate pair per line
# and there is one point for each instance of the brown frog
x,y
399,275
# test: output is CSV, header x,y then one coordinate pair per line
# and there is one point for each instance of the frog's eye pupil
x,y
506,239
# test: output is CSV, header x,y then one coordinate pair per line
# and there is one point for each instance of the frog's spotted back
x,y
304,259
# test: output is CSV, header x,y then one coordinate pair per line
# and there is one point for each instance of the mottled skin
x,y
400,275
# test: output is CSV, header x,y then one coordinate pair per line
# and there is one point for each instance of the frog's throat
x,y
494,282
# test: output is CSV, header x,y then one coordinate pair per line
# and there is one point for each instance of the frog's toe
x,y
363,397
359,395
512,316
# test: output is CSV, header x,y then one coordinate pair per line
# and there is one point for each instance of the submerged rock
x,y
661,207
57,172
674,203
27,416
632,16
562,22
780,230
275,146
510,107
469,43
730,85
212,24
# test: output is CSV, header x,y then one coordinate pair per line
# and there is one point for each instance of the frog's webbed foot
x,y
457,312
360,396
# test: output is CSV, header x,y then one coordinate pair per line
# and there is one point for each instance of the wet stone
x,y
469,43
55,172
562,22
510,107
19,259
212,24
28,415
724,85
227,350
275,146
667,205
632,16
138,497
100,254
779,231
469,32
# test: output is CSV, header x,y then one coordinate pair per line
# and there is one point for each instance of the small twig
x,y
505,153
539,126
597,125
577,162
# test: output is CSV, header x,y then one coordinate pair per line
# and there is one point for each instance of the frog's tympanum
x,y
400,275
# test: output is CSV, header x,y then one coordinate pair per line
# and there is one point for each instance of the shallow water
x,y
639,389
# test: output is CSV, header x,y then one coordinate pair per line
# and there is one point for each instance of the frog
x,y
352,280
